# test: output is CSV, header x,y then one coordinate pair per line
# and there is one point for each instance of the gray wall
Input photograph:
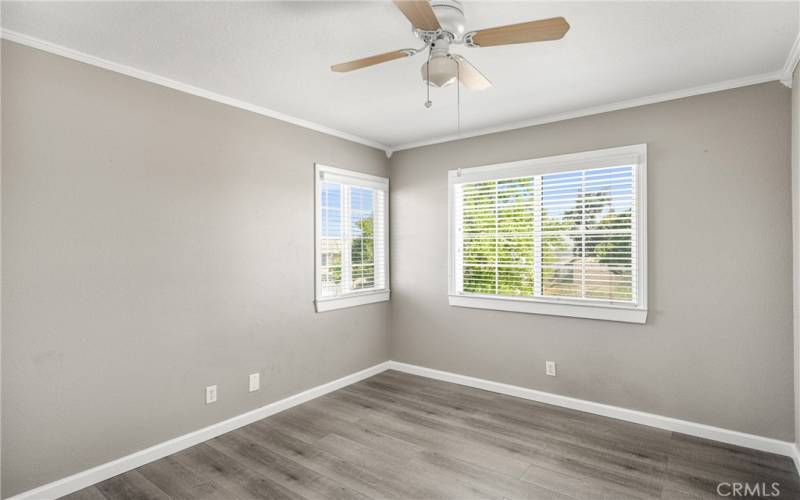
x,y
154,243
717,346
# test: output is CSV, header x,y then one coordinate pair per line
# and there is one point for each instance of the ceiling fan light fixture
x,y
440,71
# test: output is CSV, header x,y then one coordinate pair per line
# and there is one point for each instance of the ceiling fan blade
x,y
469,76
420,13
533,31
371,60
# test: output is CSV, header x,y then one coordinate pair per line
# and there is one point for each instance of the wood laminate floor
x,y
401,436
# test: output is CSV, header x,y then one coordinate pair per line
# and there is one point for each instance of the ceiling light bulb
x,y
441,73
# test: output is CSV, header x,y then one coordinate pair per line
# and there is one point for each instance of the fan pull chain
x,y
458,94
428,102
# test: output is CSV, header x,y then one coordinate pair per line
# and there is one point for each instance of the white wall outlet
x,y
255,381
550,368
211,394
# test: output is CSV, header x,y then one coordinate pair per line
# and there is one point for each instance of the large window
x,y
351,236
562,235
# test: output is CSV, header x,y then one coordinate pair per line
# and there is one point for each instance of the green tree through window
x,y
561,235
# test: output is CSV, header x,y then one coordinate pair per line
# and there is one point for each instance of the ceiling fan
x,y
440,23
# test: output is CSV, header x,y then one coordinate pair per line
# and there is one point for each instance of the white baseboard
x,y
672,424
102,472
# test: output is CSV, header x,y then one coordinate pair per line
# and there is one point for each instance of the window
x,y
351,238
563,235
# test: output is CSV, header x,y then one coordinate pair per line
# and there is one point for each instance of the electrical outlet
x,y
211,394
255,381
550,368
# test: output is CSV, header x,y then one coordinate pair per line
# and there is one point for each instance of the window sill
x,y
342,302
602,312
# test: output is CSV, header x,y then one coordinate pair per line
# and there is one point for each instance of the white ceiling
x,y
277,55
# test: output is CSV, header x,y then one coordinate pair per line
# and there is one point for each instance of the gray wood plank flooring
x,y
401,436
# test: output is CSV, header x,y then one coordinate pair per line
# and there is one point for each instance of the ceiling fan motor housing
x,y
450,14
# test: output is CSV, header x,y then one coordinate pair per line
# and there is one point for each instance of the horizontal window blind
x,y
351,236
569,234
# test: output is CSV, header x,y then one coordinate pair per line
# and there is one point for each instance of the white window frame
x,y
559,306
354,298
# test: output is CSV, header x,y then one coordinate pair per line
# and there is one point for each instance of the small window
x,y
563,235
351,238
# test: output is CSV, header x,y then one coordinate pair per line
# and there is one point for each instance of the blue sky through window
x,y
331,210
561,190
361,207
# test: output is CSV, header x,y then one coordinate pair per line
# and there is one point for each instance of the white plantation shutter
x,y
352,211
540,231
381,239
